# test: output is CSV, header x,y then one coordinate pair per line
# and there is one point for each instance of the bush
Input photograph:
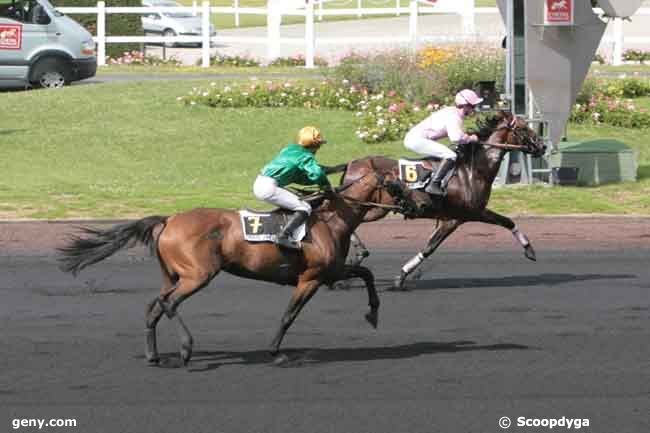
x,y
614,111
298,60
432,75
232,61
138,58
636,56
625,87
116,24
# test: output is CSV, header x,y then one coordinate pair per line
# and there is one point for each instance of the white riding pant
x,y
266,189
418,144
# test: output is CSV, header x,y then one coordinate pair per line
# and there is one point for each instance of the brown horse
x,y
468,190
193,247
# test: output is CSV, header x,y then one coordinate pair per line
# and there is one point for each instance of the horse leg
x,y
187,286
438,236
360,253
490,217
373,299
153,313
301,295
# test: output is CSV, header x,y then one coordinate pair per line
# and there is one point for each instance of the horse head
x,y
506,131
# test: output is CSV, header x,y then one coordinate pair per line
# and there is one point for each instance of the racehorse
x,y
193,247
469,189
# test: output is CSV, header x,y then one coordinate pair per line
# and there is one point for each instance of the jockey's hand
x,y
328,190
472,138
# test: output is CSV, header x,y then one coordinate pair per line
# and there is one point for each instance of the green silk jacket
x,y
295,164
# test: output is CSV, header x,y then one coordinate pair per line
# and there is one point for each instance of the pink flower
x,y
393,108
392,93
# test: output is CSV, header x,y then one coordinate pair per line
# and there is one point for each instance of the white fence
x,y
273,40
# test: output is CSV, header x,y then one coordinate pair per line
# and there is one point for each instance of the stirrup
x,y
435,188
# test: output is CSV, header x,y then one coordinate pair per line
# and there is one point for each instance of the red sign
x,y
11,36
559,12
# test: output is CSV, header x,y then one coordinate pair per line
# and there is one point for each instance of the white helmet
x,y
467,97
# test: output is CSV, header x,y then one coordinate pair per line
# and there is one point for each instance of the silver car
x,y
171,23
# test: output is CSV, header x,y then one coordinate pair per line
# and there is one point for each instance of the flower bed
x,y
380,117
138,58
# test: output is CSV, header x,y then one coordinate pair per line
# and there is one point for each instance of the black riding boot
x,y
435,185
284,237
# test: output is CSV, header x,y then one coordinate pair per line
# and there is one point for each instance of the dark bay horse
x,y
193,247
468,190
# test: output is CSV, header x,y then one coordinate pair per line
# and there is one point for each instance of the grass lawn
x,y
129,149
226,21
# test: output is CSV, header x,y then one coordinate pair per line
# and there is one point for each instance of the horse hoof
x,y
153,362
280,359
530,253
373,318
186,354
340,285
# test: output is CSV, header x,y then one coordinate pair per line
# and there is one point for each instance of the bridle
x,y
527,146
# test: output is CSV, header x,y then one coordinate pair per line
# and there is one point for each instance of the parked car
x,y
172,23
40,46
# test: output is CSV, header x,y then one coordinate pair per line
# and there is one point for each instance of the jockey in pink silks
x,y
447,122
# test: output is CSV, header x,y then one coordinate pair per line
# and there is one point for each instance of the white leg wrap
x,y
523,240
413,263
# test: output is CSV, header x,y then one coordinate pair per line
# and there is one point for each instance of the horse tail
x,y
100,244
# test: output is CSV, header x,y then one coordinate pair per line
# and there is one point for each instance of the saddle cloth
x,y
415,173
265,226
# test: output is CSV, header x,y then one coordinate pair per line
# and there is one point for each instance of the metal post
x,y
236,13
205,32
309,35
359,8
397,5
320,10
101,33
194,8
618,42
413,24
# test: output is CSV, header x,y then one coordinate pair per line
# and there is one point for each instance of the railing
x,y
273,40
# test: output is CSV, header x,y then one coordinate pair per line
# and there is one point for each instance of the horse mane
x,y
488,124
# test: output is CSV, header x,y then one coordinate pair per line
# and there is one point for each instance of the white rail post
x,y
320,10
397,5
273,22
205,32
469,26
618,42
236,13
413,24
194,8
309,35
101,33
359,8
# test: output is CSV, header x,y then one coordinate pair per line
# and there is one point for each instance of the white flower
x,y
343,100
180,98
375,136
244,94
380,122
205,93
192,103
378,108
416,108
359,113
287,85
213,84
227,89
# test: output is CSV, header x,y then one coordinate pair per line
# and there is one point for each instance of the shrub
x,y
298,60
636,56
232,61
138,58
432,75
116,24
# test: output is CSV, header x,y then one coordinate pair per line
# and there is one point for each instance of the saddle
x,y
264,226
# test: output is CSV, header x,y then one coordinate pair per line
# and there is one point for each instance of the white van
x,y
42,47
171,23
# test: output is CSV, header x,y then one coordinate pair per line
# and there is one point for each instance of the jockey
x,y
447,122
294,164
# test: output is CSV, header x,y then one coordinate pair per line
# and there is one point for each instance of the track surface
x,y
485,334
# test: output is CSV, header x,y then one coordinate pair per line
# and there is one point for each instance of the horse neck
x,y
493,156
346,215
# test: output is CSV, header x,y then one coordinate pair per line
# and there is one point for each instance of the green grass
x,y
129,149
227,21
